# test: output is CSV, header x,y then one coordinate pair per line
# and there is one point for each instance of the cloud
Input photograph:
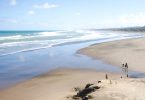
x,y
134,19
78,13
13,2
8,20
44,6
41,6
31,12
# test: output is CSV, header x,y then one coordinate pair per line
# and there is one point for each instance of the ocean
x,y
21,41
26,54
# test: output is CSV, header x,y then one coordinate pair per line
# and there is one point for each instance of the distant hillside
x,y
126,29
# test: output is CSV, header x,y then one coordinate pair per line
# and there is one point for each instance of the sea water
x,y
21,41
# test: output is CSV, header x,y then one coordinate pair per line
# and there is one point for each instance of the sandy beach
x,y
56,85
59,84
116,53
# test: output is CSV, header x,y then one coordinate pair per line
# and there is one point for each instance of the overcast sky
x,y
70,14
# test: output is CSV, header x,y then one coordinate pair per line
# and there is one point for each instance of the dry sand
x,y
131,51
121,89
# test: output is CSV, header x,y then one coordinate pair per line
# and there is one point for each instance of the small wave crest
x,y
11,37
49,34
29,36
24,50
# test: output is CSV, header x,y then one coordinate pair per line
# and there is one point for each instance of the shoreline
x,y
59,83
118,52
34,66
34,63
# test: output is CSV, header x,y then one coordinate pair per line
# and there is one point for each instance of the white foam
x,y
35,35
25,50
92,36
25,43
49,33
11,37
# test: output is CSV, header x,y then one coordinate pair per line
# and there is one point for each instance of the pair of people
x,y
125,68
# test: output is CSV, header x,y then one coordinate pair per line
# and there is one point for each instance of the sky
x,y
70,14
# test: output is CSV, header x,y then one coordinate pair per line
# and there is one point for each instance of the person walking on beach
x,y
126,69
